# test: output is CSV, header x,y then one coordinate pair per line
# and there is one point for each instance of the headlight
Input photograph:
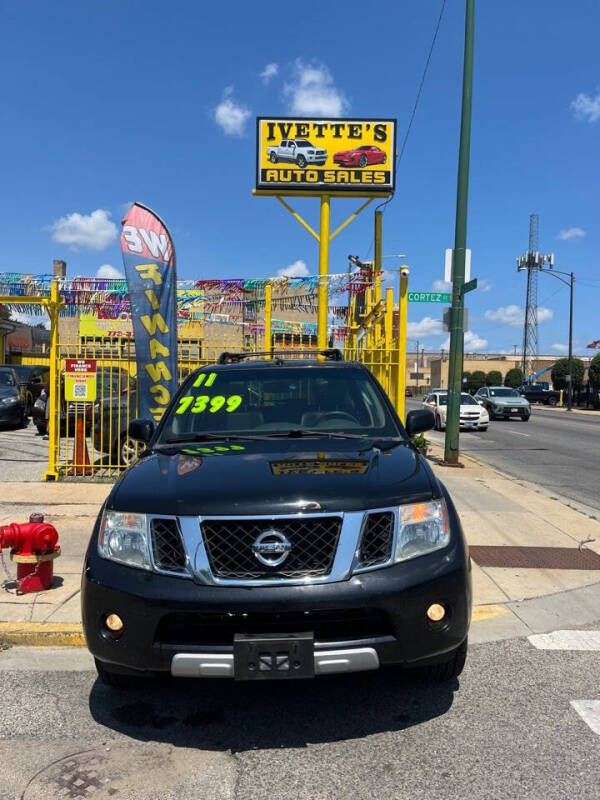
x,y
423,528
9,401
124,538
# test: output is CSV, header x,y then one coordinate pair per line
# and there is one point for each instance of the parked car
x,y
362,156
536,393
109,433
32,378
13,405
298,151
502,402
262,535
109,383
472,415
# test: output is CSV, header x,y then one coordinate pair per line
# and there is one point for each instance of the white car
x,y
297,151
472,416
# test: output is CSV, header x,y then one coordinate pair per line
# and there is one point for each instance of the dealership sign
x,y
319,156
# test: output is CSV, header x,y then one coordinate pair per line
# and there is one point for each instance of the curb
x,y
42,634
70,634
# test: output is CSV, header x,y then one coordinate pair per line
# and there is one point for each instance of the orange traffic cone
x,y
81,459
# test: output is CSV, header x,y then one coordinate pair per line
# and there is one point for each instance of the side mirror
x,y
141,430
419,421
37,380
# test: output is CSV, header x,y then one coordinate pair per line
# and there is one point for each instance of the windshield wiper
x,y
210,437
300,432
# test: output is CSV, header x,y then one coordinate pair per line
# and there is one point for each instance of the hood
x,y
9,391
345,152
277,477
509,401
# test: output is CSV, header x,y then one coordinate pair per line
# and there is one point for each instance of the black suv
x,y
279,524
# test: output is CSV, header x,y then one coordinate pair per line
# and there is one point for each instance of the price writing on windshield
x,y
205,379
196,405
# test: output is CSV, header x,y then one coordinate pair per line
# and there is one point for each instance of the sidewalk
x,y
495,510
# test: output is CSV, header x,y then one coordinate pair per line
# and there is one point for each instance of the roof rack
x,y
331,354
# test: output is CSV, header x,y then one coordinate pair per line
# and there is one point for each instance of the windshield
x,y
6,379
503,393
275,400
304,143
23,373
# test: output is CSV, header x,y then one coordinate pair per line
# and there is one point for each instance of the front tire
x,y
301,162
525,417
552,401
117,680
272,158
483,428
447,670
127,452
362,161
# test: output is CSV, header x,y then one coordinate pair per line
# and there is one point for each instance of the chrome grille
x,y
313,542
167,547
377,539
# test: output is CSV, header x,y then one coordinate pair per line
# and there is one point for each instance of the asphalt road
x,y
23,454
507,729
557,450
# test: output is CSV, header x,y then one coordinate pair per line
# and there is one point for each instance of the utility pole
x,y
417,366
455,366
570,387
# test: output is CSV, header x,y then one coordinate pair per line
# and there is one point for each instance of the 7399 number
x,y
202,402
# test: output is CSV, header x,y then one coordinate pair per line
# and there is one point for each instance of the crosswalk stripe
x,y
566,640
589,711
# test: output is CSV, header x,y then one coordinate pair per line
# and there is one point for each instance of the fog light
x,y
436,612
114,623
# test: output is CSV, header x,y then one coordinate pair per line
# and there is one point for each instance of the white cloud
x,y
560,348
484,285
312,92
270,71
108,271
29,319
230,115
441,286
473,343
94,230
296,270
426,327
515,316
387,276
571,233
586,107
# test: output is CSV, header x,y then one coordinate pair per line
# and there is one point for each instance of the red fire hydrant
x,y
33,547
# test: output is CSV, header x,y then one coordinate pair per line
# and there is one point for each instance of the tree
x,y
4,312
466,385
493,378
514,377
594,372
560,370
477,379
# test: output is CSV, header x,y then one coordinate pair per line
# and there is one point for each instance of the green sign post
x,y
428,297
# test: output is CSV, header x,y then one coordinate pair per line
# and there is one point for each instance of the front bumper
x,y
383,611
11,414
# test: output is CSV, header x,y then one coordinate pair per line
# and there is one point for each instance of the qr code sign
x,y
80,390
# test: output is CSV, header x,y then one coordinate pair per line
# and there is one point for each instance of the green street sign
x,y
468,287
428,297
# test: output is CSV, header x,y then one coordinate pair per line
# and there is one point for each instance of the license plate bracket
x,y
276,656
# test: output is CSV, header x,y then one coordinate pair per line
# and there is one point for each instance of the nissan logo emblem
x,y
271,548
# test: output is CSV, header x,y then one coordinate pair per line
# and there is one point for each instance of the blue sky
x,y
111,102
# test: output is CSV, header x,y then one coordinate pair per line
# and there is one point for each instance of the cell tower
x,y
532,261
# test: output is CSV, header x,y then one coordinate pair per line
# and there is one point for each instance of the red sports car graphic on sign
x,y
360,156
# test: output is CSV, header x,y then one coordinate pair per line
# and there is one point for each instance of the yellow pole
x,y
377,268
268,304
388,332
323,297
53,306
401,365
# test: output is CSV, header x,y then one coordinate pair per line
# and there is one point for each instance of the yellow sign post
x,y
307,157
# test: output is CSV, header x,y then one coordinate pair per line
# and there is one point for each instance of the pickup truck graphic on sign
x,y
298,151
